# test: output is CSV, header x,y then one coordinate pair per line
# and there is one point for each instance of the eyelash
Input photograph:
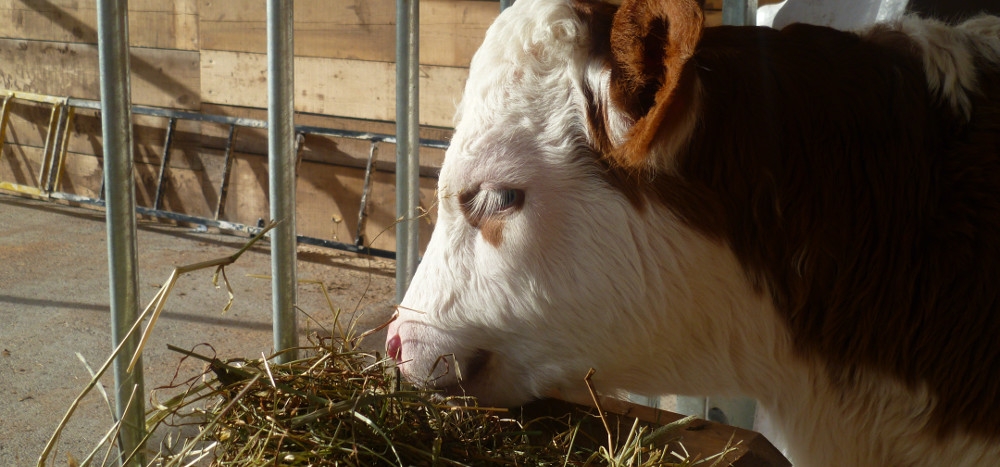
x,y
510,199
484,203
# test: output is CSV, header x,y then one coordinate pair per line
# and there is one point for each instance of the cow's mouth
x,y
470,374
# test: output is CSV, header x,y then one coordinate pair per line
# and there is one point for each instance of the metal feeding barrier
x,y
54,156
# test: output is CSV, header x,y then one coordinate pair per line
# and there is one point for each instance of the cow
x,y
807,217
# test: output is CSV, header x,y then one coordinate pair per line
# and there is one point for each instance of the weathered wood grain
x,y
450,30
328,198
329,86
160,77
152,23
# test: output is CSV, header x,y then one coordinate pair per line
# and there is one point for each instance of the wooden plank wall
x,y
210,56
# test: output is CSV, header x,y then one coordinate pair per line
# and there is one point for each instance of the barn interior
x,y
199,76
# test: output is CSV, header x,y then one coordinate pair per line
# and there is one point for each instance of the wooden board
x,y
700,439
82,175
193,191
340,151
20,165
329,86
450,30
355,124
329,198
27,123
713,18
160,77
328,194
327,201
189,191
152,23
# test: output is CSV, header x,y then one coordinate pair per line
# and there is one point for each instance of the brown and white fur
x,y
807,217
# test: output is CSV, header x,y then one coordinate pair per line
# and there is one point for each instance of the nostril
x,y
394,347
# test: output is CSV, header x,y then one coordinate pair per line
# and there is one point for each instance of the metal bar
x,y
228,226
300,142
116,123
40,98
75,103
392,139
347,247
180,114
281,173
4,112
164,161
226,170
24,189
407,142
64,142
254,123
50,138
57,142
505,4
359,237
739,12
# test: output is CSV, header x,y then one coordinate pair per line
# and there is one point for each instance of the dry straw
x,y
341,406
345,407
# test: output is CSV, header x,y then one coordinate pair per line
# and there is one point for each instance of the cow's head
x,y
554,250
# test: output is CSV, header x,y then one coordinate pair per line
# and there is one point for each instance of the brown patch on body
x,y
851,195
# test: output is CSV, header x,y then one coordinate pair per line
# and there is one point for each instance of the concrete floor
x,y
54,304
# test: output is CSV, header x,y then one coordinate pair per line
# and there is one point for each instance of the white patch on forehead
x,y
524,82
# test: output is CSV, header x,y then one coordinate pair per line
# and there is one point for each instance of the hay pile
x,y
339,406
345,407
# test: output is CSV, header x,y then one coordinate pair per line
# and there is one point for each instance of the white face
x,y
518,300
538,269
511,280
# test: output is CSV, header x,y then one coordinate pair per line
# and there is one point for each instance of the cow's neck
x,y
745,348
858,427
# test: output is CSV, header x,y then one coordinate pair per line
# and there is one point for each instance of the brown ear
x,y
651,41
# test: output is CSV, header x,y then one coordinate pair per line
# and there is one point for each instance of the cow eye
x,y
480,204
509,199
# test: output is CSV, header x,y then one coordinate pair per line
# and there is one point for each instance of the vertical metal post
x,y
739,12
281,173
227,168
407,142
359,237
505,4
116,124
164,162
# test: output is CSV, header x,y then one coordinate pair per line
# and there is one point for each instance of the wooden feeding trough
x,y
698,439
